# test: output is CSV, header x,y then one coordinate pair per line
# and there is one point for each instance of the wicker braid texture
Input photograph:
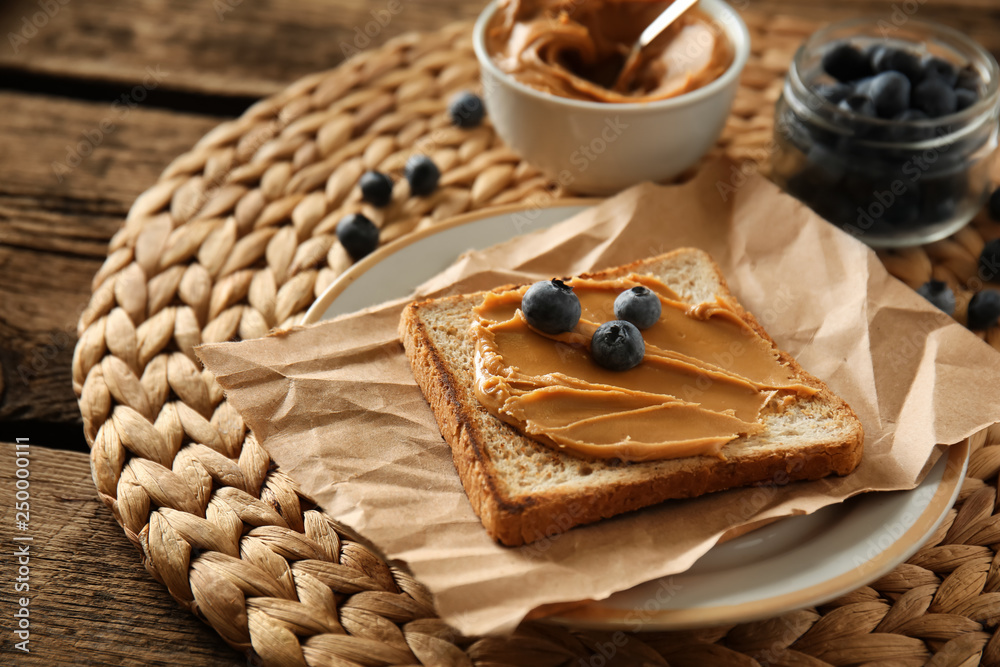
x,y
237,238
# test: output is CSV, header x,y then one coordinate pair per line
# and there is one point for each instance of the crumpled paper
x,y
336,406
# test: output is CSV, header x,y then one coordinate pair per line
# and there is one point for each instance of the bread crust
x,y
519,520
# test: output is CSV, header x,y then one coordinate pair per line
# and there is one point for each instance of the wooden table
x,y
96,98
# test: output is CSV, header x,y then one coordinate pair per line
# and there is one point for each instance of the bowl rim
x,y
733,25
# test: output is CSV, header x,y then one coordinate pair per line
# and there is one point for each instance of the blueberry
x,y
989,261
904,211
903,130
422,174
638,305
834,92
859,104
376,188
466,110
827,166
873,52
846,63
551,306
965,98
993,207
934,97
889,59
357,234
940,69
984,309
890,92
617,345
908,115
939,294
969,79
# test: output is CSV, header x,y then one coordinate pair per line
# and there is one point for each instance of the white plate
x,y
793,563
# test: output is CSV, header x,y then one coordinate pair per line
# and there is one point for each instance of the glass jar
x,y
890,183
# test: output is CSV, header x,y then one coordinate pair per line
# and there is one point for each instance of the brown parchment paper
x,y
336,406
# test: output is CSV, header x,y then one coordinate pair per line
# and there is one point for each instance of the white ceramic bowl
x,y
599,148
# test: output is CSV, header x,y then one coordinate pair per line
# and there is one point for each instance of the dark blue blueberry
x,y
940,69
942,195
965,98
939,294
906,129
846,63
984,309
859,104
909,115
834,92
938,210
376,188
889,59
617,345
969,79
993,207
422,174
551,306
989,261
827,166
466,110
902,210
357,234
890,92
638,305
934,97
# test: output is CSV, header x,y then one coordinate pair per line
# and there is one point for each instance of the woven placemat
x,y
237,238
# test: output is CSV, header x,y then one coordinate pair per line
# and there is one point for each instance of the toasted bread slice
x,y
523,490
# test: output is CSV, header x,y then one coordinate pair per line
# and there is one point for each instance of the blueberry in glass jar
x,y
889,138
888,59
935,98
889,93
938,68
845,62
965,98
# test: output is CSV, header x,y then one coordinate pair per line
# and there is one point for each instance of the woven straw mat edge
x,y
237,238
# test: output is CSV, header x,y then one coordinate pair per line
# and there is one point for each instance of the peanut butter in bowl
x,y
576,48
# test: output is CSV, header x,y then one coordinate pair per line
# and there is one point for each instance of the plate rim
x,y
589,615
343,281
956,461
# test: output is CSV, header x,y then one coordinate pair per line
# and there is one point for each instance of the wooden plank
x,y
54,233
234,47
85,156
91,602
227,47
976,18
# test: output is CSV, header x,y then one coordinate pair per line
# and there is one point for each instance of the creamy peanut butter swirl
x,y
575,48
705,377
